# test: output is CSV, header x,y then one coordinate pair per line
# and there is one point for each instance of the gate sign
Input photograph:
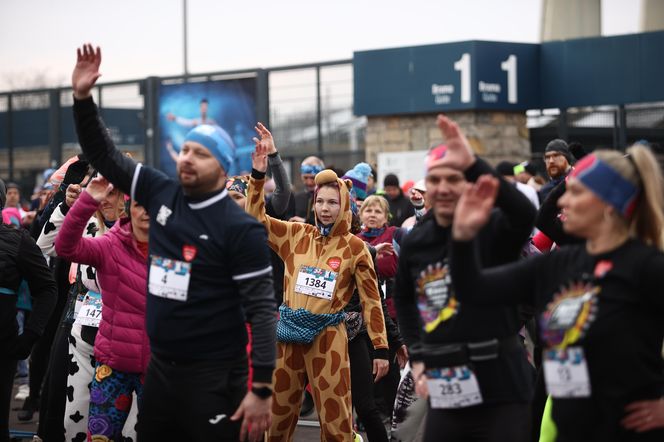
x,y
443,77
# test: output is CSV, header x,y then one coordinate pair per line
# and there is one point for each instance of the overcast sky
x,y
144,37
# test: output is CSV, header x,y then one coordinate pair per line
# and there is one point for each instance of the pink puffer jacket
x,y
121,342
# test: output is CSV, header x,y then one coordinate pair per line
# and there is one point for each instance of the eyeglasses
x,y
552,156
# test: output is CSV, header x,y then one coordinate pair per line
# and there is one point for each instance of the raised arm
x,y
69,243
278,231
282,192
93,135
510,284
548,221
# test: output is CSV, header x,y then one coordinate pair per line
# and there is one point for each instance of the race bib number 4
x,y
566,373
169,278
453,387
319,283
90,311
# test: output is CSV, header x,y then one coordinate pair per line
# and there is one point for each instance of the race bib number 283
x,y
169,278
453,387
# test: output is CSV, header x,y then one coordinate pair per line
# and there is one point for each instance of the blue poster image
x,y
230,105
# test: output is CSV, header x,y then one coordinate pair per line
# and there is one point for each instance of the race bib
x,y
89,312
169,278
79,303
566,373
453,387
319,283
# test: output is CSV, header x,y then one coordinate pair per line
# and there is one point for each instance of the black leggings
x,y
7,369
362,391
41,352
483,423
54,393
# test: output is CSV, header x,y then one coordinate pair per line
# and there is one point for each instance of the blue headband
x,y
214,139
607,183
307,169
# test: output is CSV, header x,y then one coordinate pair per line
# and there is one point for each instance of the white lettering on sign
x,y
489,98
489,87
442,89
441,93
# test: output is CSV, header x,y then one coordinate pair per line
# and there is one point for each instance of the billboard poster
x,y
228,104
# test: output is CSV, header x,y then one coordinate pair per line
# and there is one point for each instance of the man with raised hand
x,y
209,272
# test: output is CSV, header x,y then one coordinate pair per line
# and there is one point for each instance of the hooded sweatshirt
x,y
341,252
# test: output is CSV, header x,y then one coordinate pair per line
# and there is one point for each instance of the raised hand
x,y
459,154
259,156
474,207
86,71
266,138
99,188
72,194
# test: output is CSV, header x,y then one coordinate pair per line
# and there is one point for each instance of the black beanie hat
x,y
391,180
559,145
505,168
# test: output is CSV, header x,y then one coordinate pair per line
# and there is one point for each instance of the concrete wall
x,y
652,15
495,136
565,19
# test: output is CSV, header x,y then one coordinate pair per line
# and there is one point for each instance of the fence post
x,y
622,127
9,137
263,96
151,107
54,131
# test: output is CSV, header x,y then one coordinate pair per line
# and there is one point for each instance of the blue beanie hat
x,y
359,175
217,141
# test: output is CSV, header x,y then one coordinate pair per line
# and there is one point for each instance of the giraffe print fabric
x,y
324,362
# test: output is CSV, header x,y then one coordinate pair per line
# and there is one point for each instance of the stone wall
x,y
496,136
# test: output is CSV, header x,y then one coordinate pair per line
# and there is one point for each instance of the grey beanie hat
x,y
559,145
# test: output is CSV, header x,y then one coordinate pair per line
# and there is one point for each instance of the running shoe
x,y
23,392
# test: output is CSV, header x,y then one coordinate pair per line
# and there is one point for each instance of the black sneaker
x,y
30,407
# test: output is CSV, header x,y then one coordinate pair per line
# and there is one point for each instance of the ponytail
x,y
648,220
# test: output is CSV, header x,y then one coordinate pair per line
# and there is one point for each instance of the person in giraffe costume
x,y
324,264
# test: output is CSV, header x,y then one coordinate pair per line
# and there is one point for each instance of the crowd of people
x,y
477,304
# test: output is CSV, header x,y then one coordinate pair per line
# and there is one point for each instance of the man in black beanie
x,y
558,161
400,206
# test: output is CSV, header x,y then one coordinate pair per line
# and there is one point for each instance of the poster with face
x,y
228,104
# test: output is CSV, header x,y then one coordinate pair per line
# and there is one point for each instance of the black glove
x,y
76,172
23,345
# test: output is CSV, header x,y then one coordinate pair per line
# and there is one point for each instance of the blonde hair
x,y
640,168
376,200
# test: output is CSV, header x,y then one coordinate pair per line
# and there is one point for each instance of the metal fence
x,y
307,107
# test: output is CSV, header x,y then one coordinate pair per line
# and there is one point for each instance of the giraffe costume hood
x,y
344,219
343,258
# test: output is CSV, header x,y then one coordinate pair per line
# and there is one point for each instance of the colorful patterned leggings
x,y
110,402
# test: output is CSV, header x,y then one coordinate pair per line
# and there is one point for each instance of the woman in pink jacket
x,y
121,348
